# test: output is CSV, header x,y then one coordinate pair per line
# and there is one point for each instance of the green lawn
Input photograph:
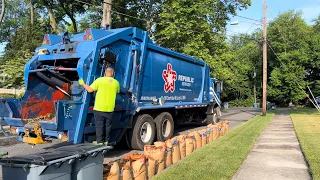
x,y
223,157
307,126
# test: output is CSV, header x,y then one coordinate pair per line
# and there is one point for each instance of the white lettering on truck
x,y
186,81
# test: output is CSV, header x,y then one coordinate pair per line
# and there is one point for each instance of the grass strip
x,y
307,126
221,158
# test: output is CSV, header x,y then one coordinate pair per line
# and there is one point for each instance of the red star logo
x,y
169,76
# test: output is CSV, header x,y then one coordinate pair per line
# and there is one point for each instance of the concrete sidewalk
x,y
276,155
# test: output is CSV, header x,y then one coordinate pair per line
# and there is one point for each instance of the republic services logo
x,y
169,76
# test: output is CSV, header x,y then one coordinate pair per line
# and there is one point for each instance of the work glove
x,y
81,82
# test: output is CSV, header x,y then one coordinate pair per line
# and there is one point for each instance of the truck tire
x,y
143,132
165,126
212,118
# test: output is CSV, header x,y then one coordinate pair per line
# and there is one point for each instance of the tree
x,y
181,23
49,6
295,43
16,13
19,51
71,9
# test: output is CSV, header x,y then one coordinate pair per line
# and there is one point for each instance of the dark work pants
x,y
103,125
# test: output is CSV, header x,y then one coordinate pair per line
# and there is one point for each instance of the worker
x,y
107,88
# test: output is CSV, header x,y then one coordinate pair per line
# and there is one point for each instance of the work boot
x,y
96,143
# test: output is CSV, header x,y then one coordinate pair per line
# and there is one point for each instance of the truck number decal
x,y
169,76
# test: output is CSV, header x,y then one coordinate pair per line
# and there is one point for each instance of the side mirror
x,y
108,57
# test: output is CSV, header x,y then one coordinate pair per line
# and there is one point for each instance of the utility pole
x,y
264,88
254,88
106,18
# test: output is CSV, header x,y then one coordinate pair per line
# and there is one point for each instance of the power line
x,y
124,14
114,11
249,28
247,18
129,16
91,4
132,16
83,2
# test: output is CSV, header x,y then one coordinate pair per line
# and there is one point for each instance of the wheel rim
x,y
145,132
166,128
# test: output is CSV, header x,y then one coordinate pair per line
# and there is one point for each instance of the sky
x,y
309,8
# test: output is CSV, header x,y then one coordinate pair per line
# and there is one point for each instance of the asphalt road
x,y
235,116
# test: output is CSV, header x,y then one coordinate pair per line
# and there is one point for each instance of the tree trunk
x,y
149,23
106,18
53,22
122,10
2,10
70,14
32,12
75,28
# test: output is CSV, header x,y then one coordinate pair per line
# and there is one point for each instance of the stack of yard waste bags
x,y
161,155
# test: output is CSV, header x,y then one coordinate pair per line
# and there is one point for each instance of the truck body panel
x,y
147,73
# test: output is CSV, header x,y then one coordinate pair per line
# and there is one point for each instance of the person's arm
x,y
88,88
91,88
118,89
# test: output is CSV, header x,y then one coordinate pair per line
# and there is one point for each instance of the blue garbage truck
x,y
160,89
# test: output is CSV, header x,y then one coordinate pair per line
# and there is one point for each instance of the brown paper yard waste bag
x,y
114,173
220,128
227,125
223,128
182,144
126,171
190,145
169,152
175,150
215,132
138,165
193,138
210,135
151,167
207,133
139,169
156,158
197,139
161,156
203,134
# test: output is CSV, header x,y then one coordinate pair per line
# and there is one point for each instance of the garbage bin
x,y
226,105
65,163
90,162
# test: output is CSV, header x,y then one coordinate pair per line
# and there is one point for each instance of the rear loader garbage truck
x,y
160,89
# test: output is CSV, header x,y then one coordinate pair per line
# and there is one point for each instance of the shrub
x,y
242,102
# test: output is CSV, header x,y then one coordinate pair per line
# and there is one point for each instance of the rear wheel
x,y
165,126
218,110
212,118
143,132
